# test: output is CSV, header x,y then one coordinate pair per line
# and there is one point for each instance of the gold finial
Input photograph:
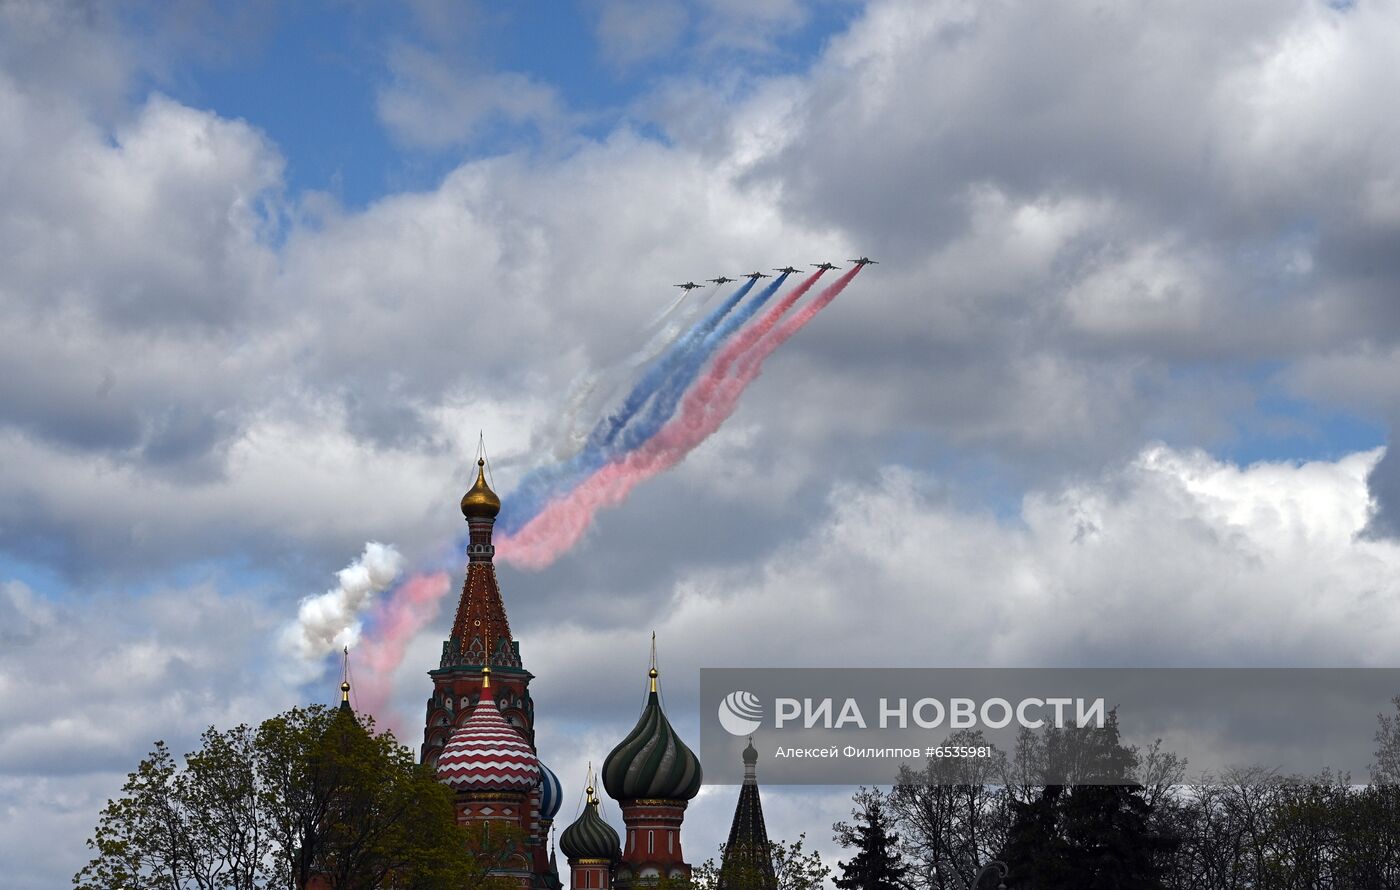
x,y
480,502
588,792
486,676
653,673
345,677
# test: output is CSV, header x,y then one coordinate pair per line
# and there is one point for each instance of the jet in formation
x,y
756,275
827,266
720,280
786,270
688,286
865,261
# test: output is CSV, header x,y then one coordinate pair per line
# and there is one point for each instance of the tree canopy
x,y
311,795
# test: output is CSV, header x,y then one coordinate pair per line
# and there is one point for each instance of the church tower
x,y
479,734
496,776
748,856
480,637
653,776
591,845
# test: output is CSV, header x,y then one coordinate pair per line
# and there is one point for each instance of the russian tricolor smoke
x,y
551,481
706,406
685,395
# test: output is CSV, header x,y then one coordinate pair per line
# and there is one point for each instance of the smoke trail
x,y
394,624
754,332
568,434
330,620
663,406
560,525
416,602
548,482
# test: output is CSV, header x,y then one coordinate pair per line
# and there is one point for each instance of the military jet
x,y
688,286
865,261
720,280
826,266
786,270
756,275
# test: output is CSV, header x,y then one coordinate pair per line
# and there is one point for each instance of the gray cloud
x,y
1062,267
630,32
1098,227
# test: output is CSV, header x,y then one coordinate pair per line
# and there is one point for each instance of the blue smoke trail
x,y
588,399
660,373
544,483
668,397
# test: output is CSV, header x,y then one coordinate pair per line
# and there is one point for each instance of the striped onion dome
x,y
486,753
652,762
551,793
589,837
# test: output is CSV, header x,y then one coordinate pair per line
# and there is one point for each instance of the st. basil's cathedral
x,y
479,736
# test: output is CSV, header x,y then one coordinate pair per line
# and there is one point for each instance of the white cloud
x,y
432,104
632,31
1175,558
1071,205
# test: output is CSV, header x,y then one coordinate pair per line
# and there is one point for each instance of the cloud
x,y
632,31
22,614
1039,318
171,663
1098,229
87,685
1173,558
431,104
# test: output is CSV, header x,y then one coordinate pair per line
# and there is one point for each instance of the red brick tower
x,y
653,776
479,733
496,776
480,637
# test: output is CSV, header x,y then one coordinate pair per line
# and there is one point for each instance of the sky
x,y
1118,393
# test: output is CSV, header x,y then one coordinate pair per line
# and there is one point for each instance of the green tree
x,y
312,793
172,828
877,864
1091,824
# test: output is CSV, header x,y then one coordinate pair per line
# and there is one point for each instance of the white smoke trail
x,y
330,620
590,397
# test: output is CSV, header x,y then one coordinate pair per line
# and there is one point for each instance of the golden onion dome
x,y
480,502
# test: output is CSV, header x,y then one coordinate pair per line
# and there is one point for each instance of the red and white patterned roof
x,y
487,753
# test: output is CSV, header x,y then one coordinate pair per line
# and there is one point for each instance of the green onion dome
x,y
652,762
589,837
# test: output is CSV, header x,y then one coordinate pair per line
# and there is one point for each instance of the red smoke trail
x,y
709,403
397,620
554,531
751,334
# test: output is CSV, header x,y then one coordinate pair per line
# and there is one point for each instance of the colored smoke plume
x,y
663,405
393,625
546,483
556,529
330,620
415,603
568,434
